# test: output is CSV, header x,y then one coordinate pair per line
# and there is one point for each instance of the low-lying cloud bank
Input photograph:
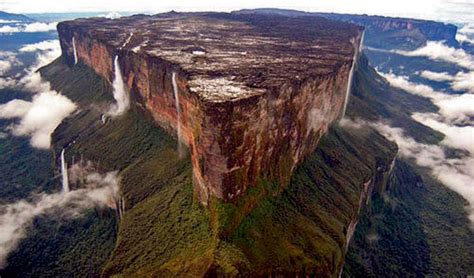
x,y
456,173
438,51
100,190
39,117
436,76
111,15
462,81
454,108
454,119
29,28
466,34
40,46
7,61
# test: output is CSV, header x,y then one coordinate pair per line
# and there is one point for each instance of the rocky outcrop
x,y
381,31
391,33
252,103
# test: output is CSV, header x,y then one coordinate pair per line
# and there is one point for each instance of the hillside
x,y
244,156
381,31
14,17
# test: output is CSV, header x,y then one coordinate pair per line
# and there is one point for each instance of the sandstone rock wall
x,y
232,143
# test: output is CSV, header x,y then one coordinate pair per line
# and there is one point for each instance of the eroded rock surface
x,y
256,93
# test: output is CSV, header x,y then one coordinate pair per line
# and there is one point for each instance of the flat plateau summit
x,y
250,95
230,56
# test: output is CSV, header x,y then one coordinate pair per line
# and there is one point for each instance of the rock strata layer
x,y
255,93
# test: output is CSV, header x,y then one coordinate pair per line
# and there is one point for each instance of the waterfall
x,y
120,93
75,51
178,113
120,207
361,44
64,173
351,74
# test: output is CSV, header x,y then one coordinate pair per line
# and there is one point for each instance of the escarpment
x,y
253,94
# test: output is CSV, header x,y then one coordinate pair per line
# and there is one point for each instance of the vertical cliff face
x,y
302,229
249,108
382,31
377,183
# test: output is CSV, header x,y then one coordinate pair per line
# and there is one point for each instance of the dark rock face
x,y
256,93
381,31
390,33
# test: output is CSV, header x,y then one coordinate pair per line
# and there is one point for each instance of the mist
x,y
453,119
439,51
455,173
35,27
40,116
120,92
100,190
454,108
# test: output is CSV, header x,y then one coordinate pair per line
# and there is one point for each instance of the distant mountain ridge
x,y
381,31
11,16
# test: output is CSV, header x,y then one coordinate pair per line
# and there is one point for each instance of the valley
x,y
189,155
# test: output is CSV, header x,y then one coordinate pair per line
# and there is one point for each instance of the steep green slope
x,y
372,99
25,170
418,227
55,246
305,226
166,231
64,247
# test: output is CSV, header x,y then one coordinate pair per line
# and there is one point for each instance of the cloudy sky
x,y
447,10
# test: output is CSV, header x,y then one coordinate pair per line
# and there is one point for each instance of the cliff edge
x,y
249,95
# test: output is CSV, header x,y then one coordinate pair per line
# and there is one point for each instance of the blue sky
x,y
445,10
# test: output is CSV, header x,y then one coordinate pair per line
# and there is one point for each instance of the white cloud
x,y
467,29
14,109
350,124
459,137
35,27
463,81
100,190
404,83
9,29
111,15
4,21
7,61
430,9
436,76
438,51
462,38
7,82
466,34
46,51
39,118
455,173
454,120
43,46
5,66
455,108
32,82
40,27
